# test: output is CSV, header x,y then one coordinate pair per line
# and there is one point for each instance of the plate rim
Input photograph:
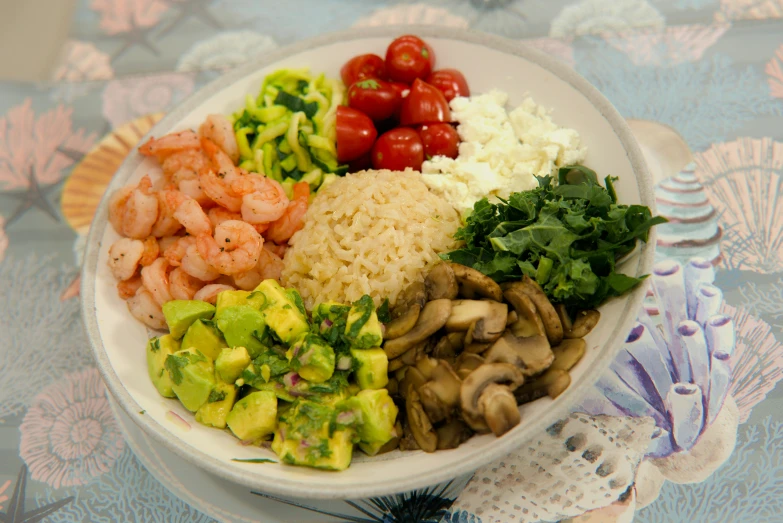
x,y
322,490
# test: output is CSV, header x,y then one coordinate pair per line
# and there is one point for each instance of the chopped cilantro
x,y
216,396
155,344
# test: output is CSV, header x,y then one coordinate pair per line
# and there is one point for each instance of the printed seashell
x,y
675,366
649,481
670,46
692,230
774,70
579,463
621,511
84,188
412,14
744,181
597,17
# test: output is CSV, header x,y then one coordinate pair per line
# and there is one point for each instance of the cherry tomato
x,y
424,104
398,149
450,82
409,57
439,139
403,90
355,134
375,98
361,163
361,67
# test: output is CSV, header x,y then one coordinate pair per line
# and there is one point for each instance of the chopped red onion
x,y
326,324
177,420
344,363
291,379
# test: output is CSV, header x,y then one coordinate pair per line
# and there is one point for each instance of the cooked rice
x,y
373,232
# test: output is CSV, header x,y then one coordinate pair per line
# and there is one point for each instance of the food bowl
x,y
118,340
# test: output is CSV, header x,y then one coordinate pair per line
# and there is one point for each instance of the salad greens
x,y
568,237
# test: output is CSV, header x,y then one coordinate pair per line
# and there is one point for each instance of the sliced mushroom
x,y
393,386
448,346
558,385
441,283
412,356
552,325
432,317
528,321
442,393
512,317
426,366
395,365
477,348
413,294
585,322
408,442
531,355
420,424
490,327
474,284
467,363
568,353
465,313
452,434
413,377
403,323
565,319
539,387
500,409
476,383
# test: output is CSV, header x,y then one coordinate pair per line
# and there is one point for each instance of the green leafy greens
x,y
567,237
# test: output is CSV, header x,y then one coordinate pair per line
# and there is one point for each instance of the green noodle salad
x,y
288,132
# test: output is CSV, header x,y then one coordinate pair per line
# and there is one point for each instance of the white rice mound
x,y
372,232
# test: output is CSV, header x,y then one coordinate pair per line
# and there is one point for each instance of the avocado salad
x,y
255,363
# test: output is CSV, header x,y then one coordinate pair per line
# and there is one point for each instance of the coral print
x,y
412,14
744,180
599,16
69,434
126,99
774,71
225,51
749,10
81,62
673,45
121,16
30,146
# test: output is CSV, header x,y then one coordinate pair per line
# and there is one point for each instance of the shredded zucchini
x,y
288,132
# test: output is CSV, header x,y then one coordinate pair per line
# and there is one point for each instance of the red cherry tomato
x,y
424,104
375,98
355,134
450,82
398,149
403,90
361,67
361,163
439,139
409,57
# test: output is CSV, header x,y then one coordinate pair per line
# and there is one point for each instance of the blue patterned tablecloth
x,y
711,70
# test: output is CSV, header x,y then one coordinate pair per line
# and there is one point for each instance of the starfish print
x,y
34,196
136,36
16,512
187,9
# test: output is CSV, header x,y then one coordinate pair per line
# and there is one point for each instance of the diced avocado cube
x,y
243,326
269,365
230,298
180,314
158,349
284,311
370,368
254,416
203,335
304,438
312,358
192,377
363,327
277,388
219,403
230,363
330,310
377,414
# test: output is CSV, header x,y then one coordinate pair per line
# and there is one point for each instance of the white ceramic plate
x,y
487,62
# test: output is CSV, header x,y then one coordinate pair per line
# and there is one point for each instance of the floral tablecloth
x,y
702,82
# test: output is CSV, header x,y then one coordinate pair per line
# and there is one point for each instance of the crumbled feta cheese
x,y
500,152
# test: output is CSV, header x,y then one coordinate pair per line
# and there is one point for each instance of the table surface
x,y
712,70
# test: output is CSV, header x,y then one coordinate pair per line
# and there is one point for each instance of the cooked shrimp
x,y
279,250
208,293
144,308
176,251
128,288
248,280
188,212
155,278
193,263
124,257
218,215
235,247
166,242
263,199
293,219
141,211
166,224
171,143
218,128
184,164
217,177
269,266
182,285
117,207
193,189
151,251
